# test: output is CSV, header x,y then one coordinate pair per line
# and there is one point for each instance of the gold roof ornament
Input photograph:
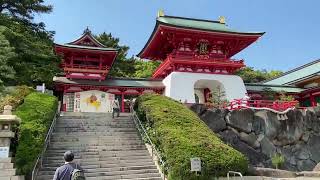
x,y
160,13
222,19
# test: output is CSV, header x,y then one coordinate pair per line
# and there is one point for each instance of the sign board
x,y
195,164
4,152
41,88
93,101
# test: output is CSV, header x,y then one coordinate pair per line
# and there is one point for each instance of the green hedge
x,y
179,134
36,114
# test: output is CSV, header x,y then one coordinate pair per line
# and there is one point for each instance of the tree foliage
x,y
126,67
24,9
145,69
35,61
36,113
6,54
249,75
217,98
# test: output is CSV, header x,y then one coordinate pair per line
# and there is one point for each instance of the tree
x,y
126,67
35,60
274,73
218,97
145,69
6,54
122,67
23,9
249,75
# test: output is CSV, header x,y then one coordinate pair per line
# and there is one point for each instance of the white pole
x,y
43,87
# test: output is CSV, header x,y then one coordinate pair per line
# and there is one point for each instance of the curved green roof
x,y
200,24
300,73
272,87
87,47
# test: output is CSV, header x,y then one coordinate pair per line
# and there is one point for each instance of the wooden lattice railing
x,y
275,105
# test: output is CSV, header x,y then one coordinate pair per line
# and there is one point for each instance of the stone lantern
x,y
7,120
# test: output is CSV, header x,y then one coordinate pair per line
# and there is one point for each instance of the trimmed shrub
x,y
36,114
179,135
15,97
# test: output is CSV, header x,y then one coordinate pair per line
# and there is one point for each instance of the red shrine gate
x,y
84,88
196,58
193,50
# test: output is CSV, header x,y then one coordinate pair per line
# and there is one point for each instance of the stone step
x,y
6,166
109,117
106,148
97,125
7,172
104,158
94,137
100,147
90,143
104,153
111,160
112,176
12,178
94,121
5,160
98,139
97,168
101,164
95,130
104,172
125,134
110,169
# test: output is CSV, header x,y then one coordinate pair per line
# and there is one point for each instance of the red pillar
x,y
71,60
312,100
122,102
100,62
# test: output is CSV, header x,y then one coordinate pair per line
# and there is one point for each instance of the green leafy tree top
x,y
24,9
126,67
249,75
6,54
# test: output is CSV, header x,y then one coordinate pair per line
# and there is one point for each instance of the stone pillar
x,y
7,120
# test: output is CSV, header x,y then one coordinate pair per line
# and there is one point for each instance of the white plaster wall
x,y
180,85
200,94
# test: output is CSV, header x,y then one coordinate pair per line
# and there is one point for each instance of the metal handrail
x,y
144,133
234,174
45,145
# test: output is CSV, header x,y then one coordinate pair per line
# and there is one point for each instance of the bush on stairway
x,y
179,135
36,115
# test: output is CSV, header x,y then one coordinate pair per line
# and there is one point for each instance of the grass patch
x,y
36,114
179,134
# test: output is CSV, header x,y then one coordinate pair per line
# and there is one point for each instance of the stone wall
x,y
259,134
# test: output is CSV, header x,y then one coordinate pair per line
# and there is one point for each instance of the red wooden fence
x,y
276,105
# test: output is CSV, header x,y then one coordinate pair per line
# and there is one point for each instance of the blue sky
x,y
292,26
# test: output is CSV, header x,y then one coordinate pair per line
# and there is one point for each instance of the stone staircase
x,y
7,170
105,148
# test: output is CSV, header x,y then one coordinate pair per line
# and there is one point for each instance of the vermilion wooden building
x,y
196,58
86,64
